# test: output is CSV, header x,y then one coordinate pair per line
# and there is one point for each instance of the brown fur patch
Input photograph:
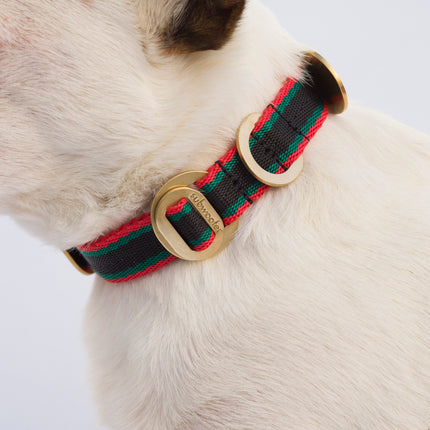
x,y
203,25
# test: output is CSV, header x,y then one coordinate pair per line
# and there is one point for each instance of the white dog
x,y
315,316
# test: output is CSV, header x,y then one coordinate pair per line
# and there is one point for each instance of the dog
x,y
315,315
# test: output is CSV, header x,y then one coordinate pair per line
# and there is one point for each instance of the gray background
x,y
381,53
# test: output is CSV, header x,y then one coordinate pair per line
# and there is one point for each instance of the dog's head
x,y
85,85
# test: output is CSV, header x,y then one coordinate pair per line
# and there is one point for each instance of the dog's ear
x,y
203,25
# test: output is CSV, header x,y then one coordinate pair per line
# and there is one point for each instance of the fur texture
x,y
325,327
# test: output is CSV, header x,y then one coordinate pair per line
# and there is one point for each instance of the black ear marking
x,y
203,25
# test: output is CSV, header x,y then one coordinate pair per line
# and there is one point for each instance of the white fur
x,y
315,317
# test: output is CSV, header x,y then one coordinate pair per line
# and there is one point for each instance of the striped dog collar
x,y
194,216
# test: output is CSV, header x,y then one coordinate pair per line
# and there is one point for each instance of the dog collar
x,y
196,223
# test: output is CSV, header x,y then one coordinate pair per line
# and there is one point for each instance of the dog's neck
x,y
197,102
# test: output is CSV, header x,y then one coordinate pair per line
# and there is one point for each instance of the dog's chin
x,y
3,208
7,196
12,190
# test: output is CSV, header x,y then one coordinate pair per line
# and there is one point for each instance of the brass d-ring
x,y
326,82
84,271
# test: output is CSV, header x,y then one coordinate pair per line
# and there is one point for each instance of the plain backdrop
x,y
379,48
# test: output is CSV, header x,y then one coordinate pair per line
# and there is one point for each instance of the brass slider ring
x,y
174,190
274,180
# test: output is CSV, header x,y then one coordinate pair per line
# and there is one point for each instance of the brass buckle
x,y
76,265
274,180
174,190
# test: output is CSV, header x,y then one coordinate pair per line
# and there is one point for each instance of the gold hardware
x,y
327,82
174,190
76,265
274,180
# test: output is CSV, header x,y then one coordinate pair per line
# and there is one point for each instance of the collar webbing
x,y
277,141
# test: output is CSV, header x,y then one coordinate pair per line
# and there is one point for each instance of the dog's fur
x,y
317,314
